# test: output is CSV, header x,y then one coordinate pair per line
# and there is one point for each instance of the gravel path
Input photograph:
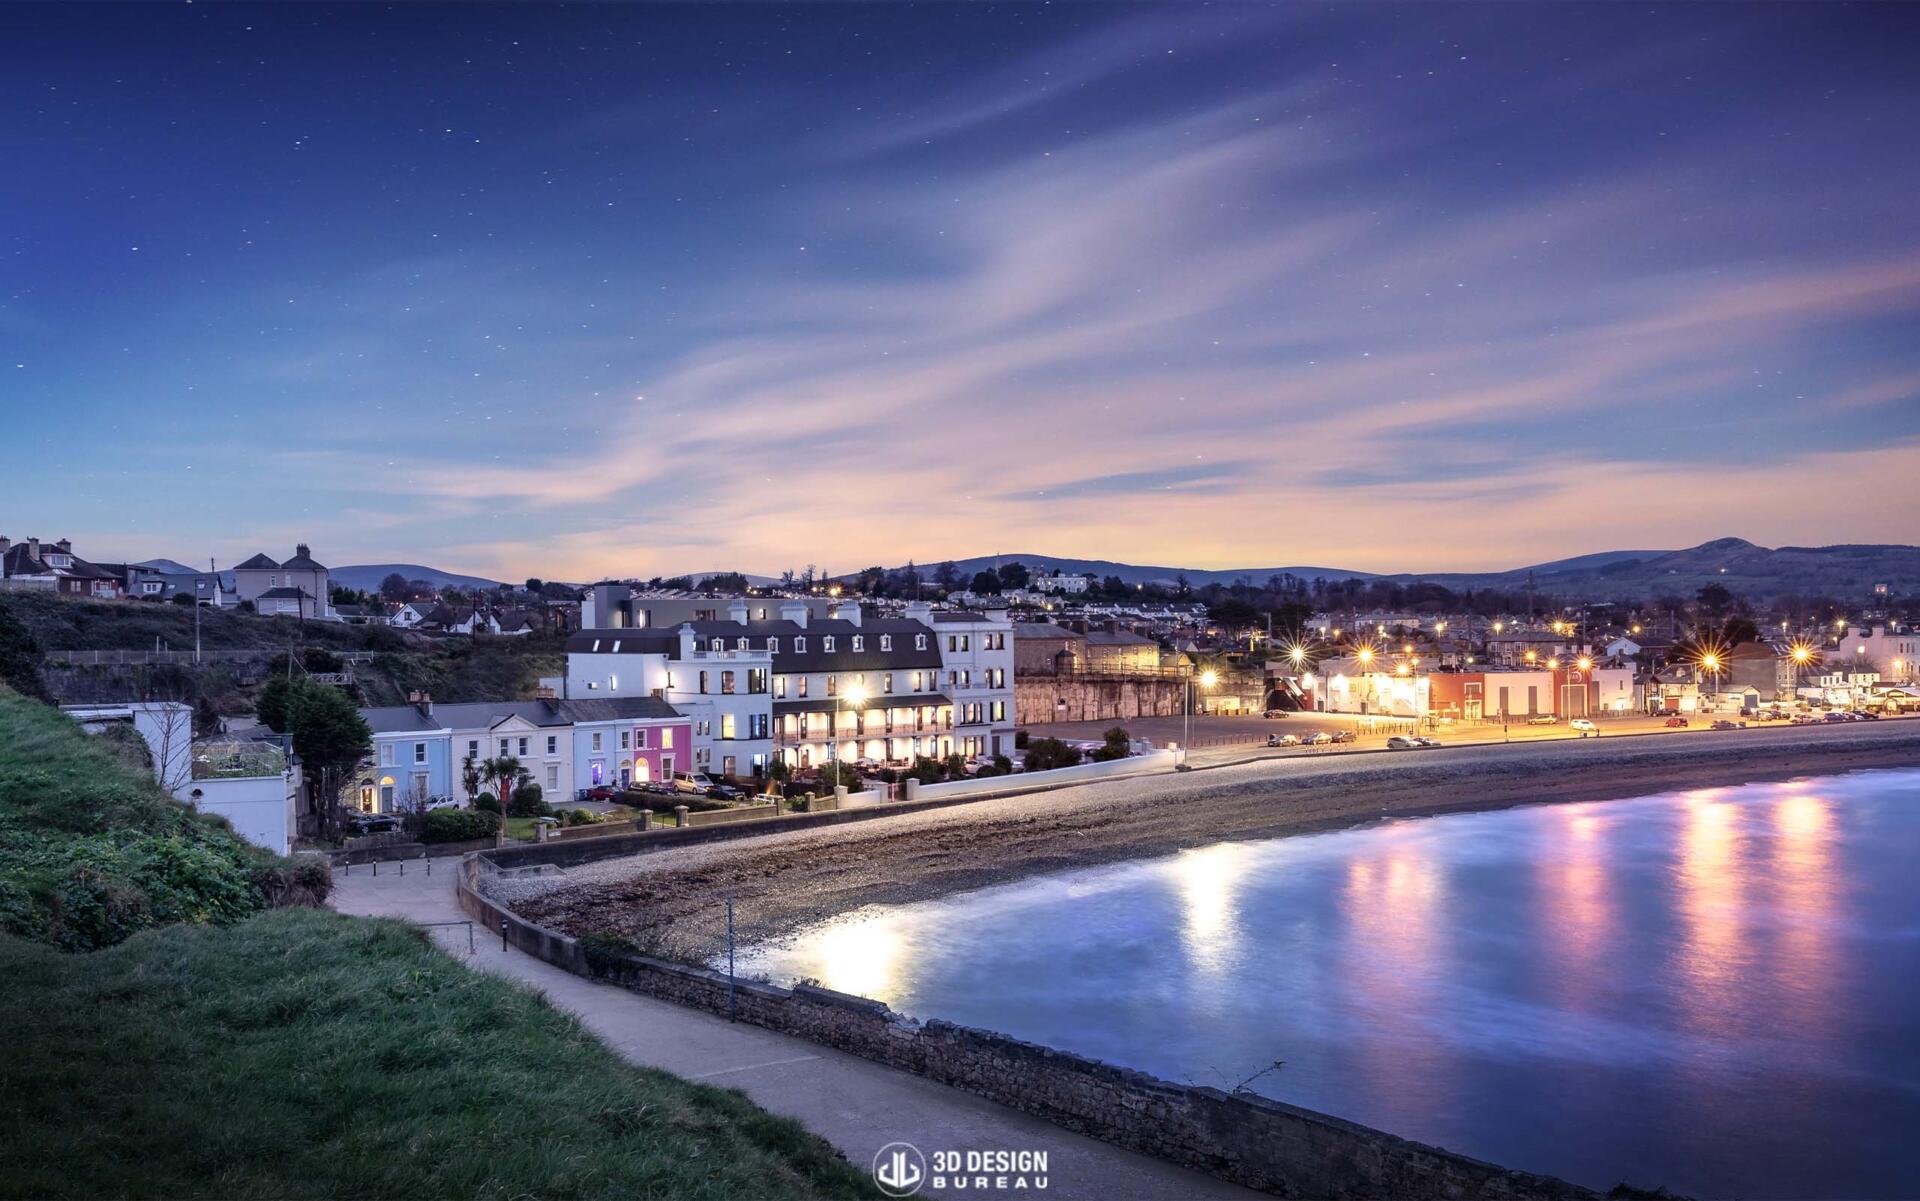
x,y
672,902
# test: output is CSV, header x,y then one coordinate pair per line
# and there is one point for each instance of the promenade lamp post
x,y
1710,663
856,694
1207,679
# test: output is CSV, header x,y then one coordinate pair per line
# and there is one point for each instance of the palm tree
x,y
503,772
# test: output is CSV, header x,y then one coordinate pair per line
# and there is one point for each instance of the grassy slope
x,y
296,1052
306,1054
65,623
91,850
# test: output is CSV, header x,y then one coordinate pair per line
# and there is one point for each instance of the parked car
x,y
693,781
1835,717
1404,742
1321,739
1805,719
1424,740
726,792
1344,736
1542,719
599,792
1584,726
1869,715
1724,724
1283,740
1271,714
1676,723
372,823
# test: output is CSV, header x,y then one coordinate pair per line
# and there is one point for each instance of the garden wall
x,y
1264,1144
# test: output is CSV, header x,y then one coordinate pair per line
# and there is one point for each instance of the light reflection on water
x,y
1710,990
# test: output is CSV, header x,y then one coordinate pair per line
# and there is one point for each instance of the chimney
x,y
689,641
544,693
33,549
5,544
737,610
795,612
847,610
63,546
422,701
920,611
300,551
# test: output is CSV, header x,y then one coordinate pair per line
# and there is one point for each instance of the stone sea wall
x,y
1264,1144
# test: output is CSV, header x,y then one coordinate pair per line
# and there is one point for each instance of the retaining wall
x,y
1264,1144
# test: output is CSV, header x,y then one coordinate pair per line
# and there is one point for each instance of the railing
x,y
116,658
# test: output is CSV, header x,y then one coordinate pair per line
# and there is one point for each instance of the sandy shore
x,y
673,902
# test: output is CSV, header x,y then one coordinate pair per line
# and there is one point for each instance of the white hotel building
x,y
809,688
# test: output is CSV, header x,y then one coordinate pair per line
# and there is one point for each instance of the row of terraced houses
x,y
728,694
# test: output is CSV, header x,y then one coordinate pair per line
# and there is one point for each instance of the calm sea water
x,y
1713,990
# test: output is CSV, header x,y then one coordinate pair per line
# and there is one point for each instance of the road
x,y
856,1105
1217,740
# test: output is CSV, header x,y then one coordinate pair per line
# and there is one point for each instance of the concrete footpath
x,y
856,1105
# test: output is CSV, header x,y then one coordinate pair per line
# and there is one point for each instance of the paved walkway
x,y
856,1105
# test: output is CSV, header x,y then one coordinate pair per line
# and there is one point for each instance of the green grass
x,y
91,850
306,1054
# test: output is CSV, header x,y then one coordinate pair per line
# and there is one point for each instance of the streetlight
x,y
1207,680
856,694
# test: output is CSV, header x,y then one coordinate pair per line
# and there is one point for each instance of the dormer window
x,y
719,644
773,646
826,644
886,642
616,646
919,642
596,645
799,644
741,643
59,561
858,643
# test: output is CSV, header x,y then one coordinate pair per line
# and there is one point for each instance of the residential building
x,y
715,673
1892,651
611,606
300,587
254,784
1064,585
55,568
565,746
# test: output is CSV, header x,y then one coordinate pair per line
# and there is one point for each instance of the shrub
x,y
528,801
488,802
459,825
580,817
1020,739
1119,744
1002,765
1046,754
841,773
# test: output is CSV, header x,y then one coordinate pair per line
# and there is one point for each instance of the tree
x,y
947,576
395,588
535,585
1715,598
470,778
1119,744
20,658
1045,754
505,773
328,734
1014,575
986,583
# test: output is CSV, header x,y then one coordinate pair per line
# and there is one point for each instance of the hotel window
x,y
999,710
703,682
886,642
833,685
886,682
741,643
826,644
919,642
858,643
801,686
756,725
726,726
756,679
726,681
779,688
799,644
773,646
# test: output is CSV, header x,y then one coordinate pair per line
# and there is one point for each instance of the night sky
x,y
569,291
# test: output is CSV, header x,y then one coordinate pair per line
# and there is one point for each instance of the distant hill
x,y
1844,571
367,576
168,566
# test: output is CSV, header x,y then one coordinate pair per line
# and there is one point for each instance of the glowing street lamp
x,y
1207,680
856,694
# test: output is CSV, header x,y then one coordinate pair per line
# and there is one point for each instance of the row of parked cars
x,y
1323,738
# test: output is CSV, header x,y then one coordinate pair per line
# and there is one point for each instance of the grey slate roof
x,y
666,640
403,719
888,700
257,563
